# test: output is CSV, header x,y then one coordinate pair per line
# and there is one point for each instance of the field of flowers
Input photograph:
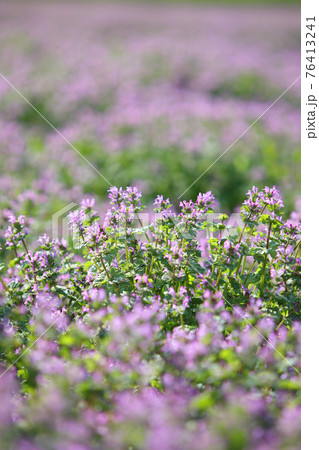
x,y
155,321
151,97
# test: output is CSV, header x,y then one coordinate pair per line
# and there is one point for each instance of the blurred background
x,y
151,93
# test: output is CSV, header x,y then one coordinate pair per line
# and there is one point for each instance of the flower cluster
x,y
161,205
16,232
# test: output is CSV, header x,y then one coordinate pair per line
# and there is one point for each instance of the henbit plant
x,y
149,335
260,260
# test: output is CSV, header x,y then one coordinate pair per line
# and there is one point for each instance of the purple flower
x,y
205,201
16,232
161,204
142,281
130,198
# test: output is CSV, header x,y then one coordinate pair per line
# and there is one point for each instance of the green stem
x,y
96,265
25,246
126,252
152,260
30,261
265,262
245,257
218,277
126,249
104,268
182,320
151,266
279,325
238,265
242,233
4,284
249,271
244,264
241,257
102,262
